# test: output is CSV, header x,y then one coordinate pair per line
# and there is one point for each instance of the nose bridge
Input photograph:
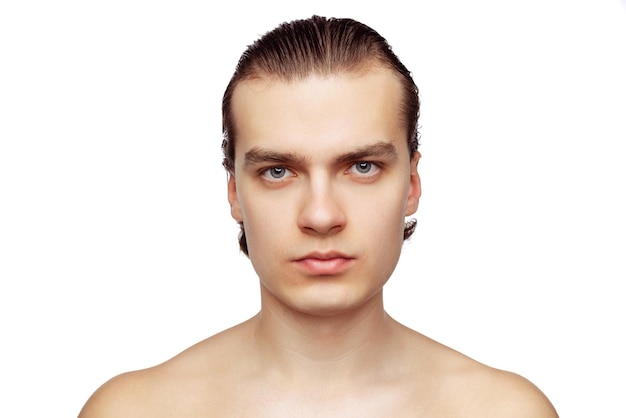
x,y
321,210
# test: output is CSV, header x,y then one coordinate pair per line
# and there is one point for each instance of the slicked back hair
x,y
320,46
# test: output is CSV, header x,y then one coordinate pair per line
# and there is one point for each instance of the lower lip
x,y
324,267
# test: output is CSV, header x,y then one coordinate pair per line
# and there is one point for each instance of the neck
x,y
345,343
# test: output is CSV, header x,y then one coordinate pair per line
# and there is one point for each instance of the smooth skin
x,y
323,181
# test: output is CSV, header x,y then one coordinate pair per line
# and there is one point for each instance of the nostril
x,y
322,215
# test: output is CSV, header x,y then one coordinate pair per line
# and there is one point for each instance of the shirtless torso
x,y
227,376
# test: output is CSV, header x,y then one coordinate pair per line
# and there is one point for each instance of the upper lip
x,y
323,255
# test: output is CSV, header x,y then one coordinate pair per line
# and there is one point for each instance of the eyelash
x,y
374,169
266,173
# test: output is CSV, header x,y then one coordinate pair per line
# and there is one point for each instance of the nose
x,y
321,212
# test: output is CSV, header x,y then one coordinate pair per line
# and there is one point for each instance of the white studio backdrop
x,y
117,250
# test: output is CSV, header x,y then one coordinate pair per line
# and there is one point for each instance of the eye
x,y
276,173
366,168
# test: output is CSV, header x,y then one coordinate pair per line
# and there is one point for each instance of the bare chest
x,y
304,402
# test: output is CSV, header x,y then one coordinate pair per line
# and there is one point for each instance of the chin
x,y
333,304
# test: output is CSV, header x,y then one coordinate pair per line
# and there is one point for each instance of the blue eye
x,y
364,168
275,173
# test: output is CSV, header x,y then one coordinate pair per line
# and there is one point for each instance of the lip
x,y
324,263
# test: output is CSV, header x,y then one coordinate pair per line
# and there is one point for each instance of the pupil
x,y
363,167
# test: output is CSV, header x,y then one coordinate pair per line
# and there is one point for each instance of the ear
x,y
233,199
415,187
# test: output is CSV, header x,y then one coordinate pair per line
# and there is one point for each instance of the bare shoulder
x,y
469,388
182,386
155,392
510,395
459,386
120,396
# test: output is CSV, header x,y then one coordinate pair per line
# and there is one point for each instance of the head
x,y
318,46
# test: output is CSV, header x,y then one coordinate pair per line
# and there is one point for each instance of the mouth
x,y
324,264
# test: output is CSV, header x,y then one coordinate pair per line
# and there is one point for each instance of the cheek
x,y
265,223
382,238
269,235
385,212
388,228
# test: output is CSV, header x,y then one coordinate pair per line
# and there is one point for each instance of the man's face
x,y
322,183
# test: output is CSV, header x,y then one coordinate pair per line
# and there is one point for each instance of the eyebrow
x,y
258,155
383,150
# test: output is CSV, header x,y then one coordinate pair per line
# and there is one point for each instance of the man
x,y
320,124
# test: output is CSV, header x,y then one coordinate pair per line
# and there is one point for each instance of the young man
x,y
320,145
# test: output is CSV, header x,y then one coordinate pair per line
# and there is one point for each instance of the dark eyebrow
x,y
258,155
377,150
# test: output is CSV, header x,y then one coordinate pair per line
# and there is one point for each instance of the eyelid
x,y
377,166
264,173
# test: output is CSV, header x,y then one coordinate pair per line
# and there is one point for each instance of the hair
x,y
322,46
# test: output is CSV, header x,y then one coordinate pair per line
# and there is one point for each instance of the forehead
x,y
347,109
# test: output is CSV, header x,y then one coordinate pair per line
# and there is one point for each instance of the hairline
x,y
366,66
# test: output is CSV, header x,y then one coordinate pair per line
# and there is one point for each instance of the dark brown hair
x,y
322,46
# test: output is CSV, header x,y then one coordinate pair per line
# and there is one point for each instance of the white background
x,y
117,250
